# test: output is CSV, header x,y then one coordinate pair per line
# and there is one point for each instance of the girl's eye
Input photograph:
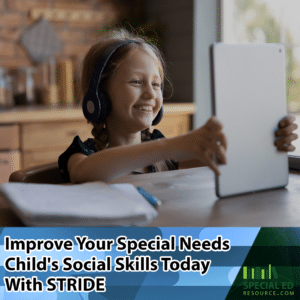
x,y
136,81
156,84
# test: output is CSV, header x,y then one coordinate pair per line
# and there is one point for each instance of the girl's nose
x,y
148,91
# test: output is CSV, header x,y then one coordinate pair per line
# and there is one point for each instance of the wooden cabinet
x,y
35,136
173,125
43,142
9,150
9,162
52,135
9,137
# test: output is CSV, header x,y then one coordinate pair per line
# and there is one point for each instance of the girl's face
x,y
135,91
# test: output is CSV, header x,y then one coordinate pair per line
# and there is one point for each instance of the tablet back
x,y
249,98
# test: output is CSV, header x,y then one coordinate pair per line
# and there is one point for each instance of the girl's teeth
x,y
145,108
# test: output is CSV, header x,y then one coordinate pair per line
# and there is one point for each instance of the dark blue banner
x,y
121,263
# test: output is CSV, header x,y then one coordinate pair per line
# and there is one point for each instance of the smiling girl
x,y
133,81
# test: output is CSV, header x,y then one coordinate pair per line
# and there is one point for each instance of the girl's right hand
x,y
202,143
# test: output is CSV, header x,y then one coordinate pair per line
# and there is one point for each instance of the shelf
x,y
48,114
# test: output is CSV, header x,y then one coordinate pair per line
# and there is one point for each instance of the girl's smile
x,y
144,109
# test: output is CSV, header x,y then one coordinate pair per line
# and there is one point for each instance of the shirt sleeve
x,y
77,146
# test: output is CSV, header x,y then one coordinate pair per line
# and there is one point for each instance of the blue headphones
x,y
96,104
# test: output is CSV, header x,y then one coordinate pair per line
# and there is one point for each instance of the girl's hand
x,y
285,134
202,143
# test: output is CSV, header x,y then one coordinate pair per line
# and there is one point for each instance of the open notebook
x,y
87,204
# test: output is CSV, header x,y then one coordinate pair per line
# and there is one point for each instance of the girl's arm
x,y
111,163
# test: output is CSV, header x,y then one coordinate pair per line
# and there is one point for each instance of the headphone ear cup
x,y
96,109
159,116
91,107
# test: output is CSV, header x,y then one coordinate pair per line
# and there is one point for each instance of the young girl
x,y
133,80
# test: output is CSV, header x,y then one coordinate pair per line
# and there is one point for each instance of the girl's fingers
x,y
213,124
210,153
287,121
219,150
213,141
210,163
286,140
287,148
219,137
286,130
221,155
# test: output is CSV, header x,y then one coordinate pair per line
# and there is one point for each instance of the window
x,y
269,21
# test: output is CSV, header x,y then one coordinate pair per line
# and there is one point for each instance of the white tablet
x,y
249,98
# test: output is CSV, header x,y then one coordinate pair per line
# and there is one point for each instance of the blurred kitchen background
x,y
71,27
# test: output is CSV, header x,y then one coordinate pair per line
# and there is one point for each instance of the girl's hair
x,y
99,130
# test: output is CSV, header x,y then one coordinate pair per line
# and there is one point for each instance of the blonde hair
x,y
99,130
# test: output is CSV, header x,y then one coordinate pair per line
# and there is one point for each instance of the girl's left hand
x,y
285,134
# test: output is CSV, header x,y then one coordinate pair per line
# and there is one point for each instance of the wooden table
x,y
189,199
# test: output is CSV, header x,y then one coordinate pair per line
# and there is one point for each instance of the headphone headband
x,y
96,105
104,59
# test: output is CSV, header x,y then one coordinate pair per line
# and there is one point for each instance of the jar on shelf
x,y
30,89
2,88
25,87
20,87
9,91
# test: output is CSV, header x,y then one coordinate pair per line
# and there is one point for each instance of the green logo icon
x,y
265,281
260,273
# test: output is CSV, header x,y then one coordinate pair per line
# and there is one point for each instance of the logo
x,y
260,273
266,281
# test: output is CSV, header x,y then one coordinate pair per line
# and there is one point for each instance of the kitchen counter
x,y
58,113
32,136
